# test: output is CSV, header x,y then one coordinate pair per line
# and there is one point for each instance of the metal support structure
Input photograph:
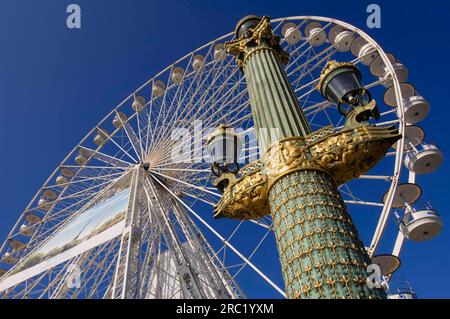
x,y
126,278
173,262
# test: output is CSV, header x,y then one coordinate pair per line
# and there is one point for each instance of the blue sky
x,y
56,83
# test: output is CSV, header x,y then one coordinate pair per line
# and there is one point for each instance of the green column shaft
x,y
274,104
320,251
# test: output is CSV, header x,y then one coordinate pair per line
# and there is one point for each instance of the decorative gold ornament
x,y
260,38
355,116
343,155
246,198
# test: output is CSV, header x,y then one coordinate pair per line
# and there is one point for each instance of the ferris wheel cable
x,y
58,199
27,288
141,141
304,51
396,121
185,170
124,151
191,160
86,167
316,66
194,93
106,158
187,108
136,143
213,204
316,57
204,189
36,195
319,109
256,269
394,110
207,125
254,251
237,112
223,100
196,197
197,135
101,177
329,118
162,107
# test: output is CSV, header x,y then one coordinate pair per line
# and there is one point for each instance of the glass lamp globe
x,y
224,147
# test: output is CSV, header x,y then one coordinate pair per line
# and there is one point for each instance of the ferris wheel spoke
x,y
200,133
308,71
122,149
305,64
202,98
188,91
204,189
194,106
136,141
254,250
184,170
256,269
108,159
108,177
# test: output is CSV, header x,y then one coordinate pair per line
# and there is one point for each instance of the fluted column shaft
x,y
320,251
276,110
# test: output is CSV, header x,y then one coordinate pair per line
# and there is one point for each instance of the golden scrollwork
x,y
245,198
344,155
260,38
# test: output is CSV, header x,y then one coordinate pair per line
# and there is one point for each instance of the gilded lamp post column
x,y
320,251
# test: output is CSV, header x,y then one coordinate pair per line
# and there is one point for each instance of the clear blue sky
x,y
56,83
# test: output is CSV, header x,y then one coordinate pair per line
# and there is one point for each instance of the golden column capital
x,y
260,37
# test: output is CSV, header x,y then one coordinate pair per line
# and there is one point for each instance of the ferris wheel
x,y
129,212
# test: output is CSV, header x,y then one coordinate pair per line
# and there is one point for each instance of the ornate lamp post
x,y
298,175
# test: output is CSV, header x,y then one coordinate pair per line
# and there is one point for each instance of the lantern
x,y
340,84
224,147
245,24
